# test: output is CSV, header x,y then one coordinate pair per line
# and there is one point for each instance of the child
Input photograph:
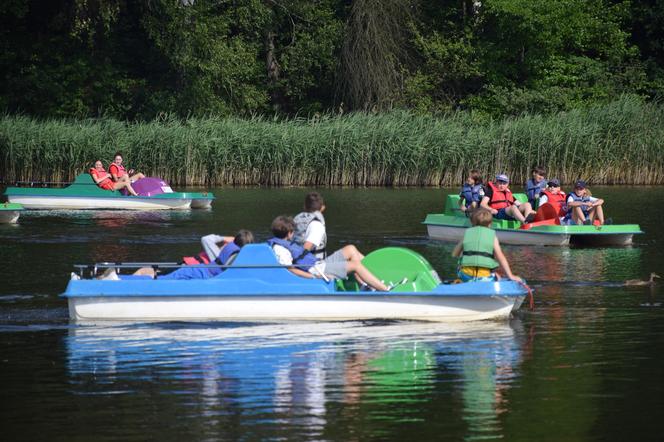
x,y
536,185
471,192
310,232
479,251
500,202
335,266
104,180
554,196
117,170
225,256
583,208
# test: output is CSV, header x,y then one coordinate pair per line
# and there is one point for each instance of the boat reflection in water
x,y
288,379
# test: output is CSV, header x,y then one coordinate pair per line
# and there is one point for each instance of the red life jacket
x,y
557,200
201,258
95,172
121,170
500,199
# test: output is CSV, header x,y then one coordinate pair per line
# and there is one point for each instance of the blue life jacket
x,y
300,254
471,193
575,197
226,253
533,189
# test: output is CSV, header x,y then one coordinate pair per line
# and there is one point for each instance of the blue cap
x,y
554,182
580,184
502,177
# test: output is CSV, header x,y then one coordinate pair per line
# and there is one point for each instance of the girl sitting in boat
x,y
104,180
118,171
479,251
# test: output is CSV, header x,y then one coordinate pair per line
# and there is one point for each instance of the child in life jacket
x,y
225,256
471,192
335,266
105,181
583,208
536,185
554,195
500,202
117,170
311,234
479,251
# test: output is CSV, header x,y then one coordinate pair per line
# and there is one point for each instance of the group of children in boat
x,y
577,207
299,244
117,177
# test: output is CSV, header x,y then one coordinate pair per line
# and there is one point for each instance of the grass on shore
x,y
616,143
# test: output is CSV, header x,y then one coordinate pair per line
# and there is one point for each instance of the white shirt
x,y
283,255
315,233
286,259
591,199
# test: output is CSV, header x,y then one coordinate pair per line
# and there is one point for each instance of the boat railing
x,y
92,269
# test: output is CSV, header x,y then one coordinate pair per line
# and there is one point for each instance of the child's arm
x,y
504,265
98,179
458,249
301,273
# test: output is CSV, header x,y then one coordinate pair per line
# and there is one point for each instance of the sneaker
x,y
587,223
608,222
366,288
392,285
74,277
530,218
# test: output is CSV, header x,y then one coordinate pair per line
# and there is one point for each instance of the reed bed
x,y
616,143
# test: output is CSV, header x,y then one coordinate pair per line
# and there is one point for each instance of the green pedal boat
x,y
451,224
84,194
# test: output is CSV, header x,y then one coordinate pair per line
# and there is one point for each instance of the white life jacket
x,y
302,221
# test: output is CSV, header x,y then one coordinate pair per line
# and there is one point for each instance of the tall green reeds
x,y
620,142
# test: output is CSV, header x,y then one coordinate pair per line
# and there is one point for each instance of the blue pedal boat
x,y
257,288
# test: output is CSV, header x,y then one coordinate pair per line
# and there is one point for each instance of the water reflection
x,y
299,377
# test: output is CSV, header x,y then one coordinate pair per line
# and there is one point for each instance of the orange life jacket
x,y
499,198
95,172
121,170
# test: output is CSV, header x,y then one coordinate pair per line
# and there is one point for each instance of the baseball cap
x,y
580,184
502,177
554,182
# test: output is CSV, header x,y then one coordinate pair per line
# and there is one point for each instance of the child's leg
x,y
526,209
146,271
515,213
351,253
599,214
577,215
366,275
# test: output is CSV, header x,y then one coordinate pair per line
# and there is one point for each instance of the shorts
x,y
107,185
502,215
189,272
466,274
333,266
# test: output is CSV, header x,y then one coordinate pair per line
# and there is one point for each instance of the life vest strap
x,y
474,253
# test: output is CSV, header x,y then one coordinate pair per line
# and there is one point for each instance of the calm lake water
x,y
586,364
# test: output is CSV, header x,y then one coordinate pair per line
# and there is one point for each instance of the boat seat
x,y
263,255
84,178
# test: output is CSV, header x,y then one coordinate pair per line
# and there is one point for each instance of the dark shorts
x,y
502,215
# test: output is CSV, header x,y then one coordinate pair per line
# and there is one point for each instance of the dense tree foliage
x,y
141,59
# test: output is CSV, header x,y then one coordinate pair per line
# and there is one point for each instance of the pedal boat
x,y
256,288
84,194
450,226
9,213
